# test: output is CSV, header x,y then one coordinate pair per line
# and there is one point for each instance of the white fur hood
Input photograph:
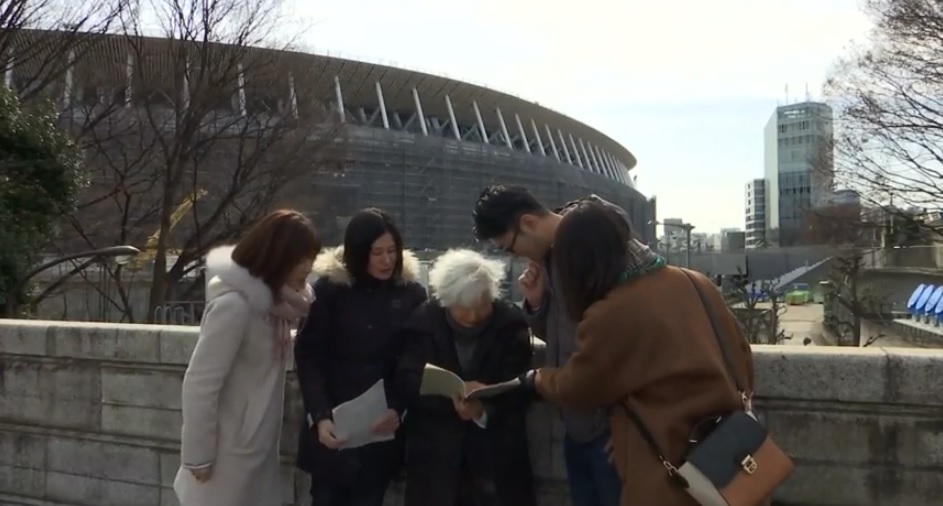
x,y
225,275
330,265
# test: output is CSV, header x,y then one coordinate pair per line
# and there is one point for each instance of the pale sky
x,y
686,85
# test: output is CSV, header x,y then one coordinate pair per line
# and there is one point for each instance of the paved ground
x,y
892,340
800,322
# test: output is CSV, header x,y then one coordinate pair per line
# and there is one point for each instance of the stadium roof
x,y
314,74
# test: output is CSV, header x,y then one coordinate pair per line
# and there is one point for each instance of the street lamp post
x,y
658,243
687,227
110,252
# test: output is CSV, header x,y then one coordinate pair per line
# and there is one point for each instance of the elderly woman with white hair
x,y
467,453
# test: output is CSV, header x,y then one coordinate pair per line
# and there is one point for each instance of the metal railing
x,y
179,313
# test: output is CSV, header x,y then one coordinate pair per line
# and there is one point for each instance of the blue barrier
x,y
922,300
937,312
930,307
914,297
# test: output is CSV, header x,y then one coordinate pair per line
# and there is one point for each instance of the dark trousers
x,y
364,494
476,491
593,480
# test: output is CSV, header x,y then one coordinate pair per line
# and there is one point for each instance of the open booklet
x,y
439,381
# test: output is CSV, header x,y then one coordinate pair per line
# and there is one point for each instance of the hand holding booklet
x,y
439,381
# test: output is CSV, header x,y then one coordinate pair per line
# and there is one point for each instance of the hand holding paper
x,y
326,435
387,424
355,420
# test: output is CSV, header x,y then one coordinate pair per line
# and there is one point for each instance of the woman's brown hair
x,y
590,255
275,245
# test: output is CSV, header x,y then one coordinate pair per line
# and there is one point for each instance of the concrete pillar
x,y
339,98
386,119
422,117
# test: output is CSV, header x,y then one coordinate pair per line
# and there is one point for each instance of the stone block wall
x,y
90,416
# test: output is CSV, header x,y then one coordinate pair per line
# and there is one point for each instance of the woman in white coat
x,y
234,387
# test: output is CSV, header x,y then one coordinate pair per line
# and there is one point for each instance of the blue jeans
x,y
593,480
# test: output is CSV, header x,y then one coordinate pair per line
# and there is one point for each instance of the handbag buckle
x,y
748,464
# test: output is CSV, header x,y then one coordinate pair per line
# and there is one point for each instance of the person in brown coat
x,y
644,341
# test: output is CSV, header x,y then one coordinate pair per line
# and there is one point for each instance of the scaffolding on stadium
x,y
429,185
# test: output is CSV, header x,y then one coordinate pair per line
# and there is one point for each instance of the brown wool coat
x,y
650,341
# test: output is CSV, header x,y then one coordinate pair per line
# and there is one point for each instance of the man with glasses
x,y
513,220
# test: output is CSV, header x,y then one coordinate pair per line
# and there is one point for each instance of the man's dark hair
x,y
499,207
590,253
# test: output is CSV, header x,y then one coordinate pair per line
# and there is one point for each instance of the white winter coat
x,y
233,395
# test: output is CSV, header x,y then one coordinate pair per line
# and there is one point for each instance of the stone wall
x,y
895,285
767,263
90,416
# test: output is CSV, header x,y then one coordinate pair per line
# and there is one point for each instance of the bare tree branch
x,y
195,139
849,302
889,95
40,40
759,325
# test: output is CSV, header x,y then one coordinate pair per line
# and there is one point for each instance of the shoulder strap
x,y
646,434
653,445
728,364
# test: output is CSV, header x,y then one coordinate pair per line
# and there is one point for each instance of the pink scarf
x,y
287,313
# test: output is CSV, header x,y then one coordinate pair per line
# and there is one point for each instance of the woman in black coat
x,y
467,453
352,338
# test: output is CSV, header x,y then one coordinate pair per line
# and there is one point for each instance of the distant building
x,y
836,221
844,197
895,226
755,222
674,238
733,241
798,168
718,239
700,242
714,242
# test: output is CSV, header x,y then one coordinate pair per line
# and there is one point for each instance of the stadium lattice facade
x,y
419,146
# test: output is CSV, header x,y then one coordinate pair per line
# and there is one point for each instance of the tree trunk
x,y
158,293
856,307
773,319
856,329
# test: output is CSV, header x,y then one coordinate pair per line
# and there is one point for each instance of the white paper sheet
x,y
354,419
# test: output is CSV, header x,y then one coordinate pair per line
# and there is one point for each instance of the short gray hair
x,y
463,278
